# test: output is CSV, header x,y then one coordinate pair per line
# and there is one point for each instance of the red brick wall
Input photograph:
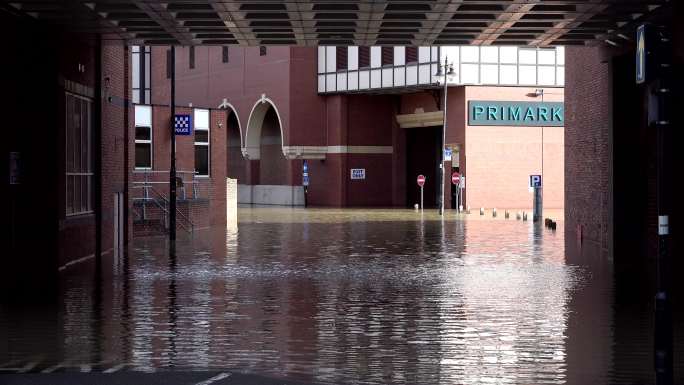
x,y
588,116
210,206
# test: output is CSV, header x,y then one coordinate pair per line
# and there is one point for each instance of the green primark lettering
x,y
529,114
556,114
544,114
514,113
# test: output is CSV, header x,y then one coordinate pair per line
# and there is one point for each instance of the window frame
x,y
206,144
90,164
143,141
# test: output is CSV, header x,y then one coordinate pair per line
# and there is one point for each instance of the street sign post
x,y
455,178
536,183
305,179
456,181
421,182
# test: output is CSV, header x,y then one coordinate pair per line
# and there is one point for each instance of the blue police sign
x,y
305,180
535,181
182,124
641,54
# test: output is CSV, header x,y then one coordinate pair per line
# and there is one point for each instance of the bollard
x,y
506,214
416,207
494,212
518,216
524,216
468,210
481,210
460,208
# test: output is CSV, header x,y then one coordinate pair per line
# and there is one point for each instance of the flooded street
x,y
353,297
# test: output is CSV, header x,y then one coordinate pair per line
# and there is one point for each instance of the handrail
x,y
161,172
166,201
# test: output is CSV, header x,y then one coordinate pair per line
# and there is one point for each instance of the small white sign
x,y
358,173
447,154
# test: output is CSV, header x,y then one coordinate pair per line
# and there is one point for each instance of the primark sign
x,y
498,113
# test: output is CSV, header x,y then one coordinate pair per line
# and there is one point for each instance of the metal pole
x,y
541,188
444,127
421,198
661,89
172,173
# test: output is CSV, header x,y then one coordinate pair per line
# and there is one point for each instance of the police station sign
x,y
497,113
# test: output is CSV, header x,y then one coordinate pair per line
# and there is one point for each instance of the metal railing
x,y
151,196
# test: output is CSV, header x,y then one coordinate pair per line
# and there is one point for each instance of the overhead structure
x,y
347,22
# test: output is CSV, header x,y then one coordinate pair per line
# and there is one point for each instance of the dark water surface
x,y
353,296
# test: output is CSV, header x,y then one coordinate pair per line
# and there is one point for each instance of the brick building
x,y
376,109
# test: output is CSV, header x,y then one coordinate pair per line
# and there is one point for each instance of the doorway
x,y
422,157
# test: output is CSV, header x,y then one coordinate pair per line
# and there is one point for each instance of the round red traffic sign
x,y
455,178
420,180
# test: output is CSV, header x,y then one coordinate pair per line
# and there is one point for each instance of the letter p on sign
x,y
535,181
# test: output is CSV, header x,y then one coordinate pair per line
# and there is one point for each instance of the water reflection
x,y
343,296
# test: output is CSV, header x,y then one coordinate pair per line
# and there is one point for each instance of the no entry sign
x,y
455,178
420,180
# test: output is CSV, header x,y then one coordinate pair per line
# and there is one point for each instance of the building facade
x,y
378,111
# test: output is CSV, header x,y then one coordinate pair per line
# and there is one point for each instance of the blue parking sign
x,y
182,124
535,181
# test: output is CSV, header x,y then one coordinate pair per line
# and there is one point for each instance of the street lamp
x,y
448,72
540,92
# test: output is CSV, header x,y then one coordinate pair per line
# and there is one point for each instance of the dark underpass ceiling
x,y
346,22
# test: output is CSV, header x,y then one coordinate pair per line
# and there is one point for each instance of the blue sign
x,y
535,181
447,154
305,166
497,113
182,124
641,54
305,180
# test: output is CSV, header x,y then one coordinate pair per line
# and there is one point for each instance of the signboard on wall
x,y
182,124
498,113
358,173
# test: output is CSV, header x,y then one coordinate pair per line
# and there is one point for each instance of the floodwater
x,y
353,297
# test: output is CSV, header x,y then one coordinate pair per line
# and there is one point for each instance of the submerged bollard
x,y
416,207
506,214
524,216
494,212
460,208
518,216
481,210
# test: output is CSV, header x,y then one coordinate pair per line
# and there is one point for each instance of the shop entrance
x,y
422,148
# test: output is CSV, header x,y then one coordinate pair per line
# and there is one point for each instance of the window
x,y
262,50
143,137
411,54
225,54
192,57
201,142
341,58
79,159
140,73
387,56
364,57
